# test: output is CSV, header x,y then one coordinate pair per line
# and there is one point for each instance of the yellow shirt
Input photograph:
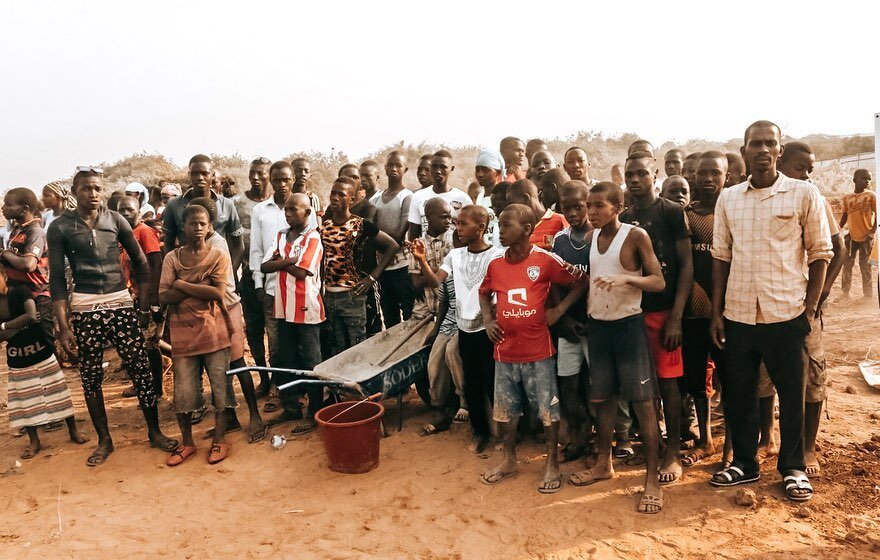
x,y
860,211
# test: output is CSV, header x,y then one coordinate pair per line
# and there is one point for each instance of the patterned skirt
x,y
38,394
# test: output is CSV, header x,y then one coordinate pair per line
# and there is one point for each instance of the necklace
x,y
570,236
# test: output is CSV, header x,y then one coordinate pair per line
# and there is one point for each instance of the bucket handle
x,y
371,398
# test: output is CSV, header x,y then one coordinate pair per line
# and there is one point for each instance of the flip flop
x,y
649,500
28,453
430,430
694,457
271,406
585,478
169,445
813,469
180,454
129,392
199,414
219,451
666,478
98,456
501,476
624,450
461,416
543,489
304,428
259,435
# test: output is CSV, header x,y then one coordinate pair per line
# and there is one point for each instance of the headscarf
x,y
68,202
491,159
171,188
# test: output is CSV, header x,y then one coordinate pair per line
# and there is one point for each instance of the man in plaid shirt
x,y
765,230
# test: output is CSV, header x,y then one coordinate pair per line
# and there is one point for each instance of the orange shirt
x,y
546,229
860,211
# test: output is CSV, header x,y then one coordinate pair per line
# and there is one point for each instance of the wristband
x,y
370,276
3,326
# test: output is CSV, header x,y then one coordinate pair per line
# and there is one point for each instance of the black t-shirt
x,y
666,224
576,252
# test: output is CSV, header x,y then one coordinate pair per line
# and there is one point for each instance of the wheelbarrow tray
x,y
396,373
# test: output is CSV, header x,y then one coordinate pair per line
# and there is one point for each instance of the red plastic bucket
x,y
352,438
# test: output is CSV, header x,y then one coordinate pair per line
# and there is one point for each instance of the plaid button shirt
x,y
436,249
769,236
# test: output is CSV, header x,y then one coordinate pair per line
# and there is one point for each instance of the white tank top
x,y
616,303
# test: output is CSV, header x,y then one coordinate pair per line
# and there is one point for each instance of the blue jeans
x,y
347,315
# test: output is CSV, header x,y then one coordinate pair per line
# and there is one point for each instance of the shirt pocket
x,y
783,227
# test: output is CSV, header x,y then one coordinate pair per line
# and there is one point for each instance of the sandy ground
x,y
425,501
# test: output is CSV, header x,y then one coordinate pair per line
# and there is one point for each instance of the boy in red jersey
x,y
521,279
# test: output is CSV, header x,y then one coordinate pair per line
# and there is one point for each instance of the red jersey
x,y
298,300
148,239
546,229
522,290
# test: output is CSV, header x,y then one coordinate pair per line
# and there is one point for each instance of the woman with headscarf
x,y
56,199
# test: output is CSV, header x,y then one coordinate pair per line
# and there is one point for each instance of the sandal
x,y
650,504
99,456
218,452
180,454
733,476
259,435
271,406
797,486
695,457
304,428
54,426
461,416
430,430
199,414
624,450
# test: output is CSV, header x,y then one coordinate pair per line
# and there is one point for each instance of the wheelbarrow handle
x,y
323,383
270,370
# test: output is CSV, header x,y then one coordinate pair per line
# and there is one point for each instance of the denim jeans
x,y
300,348
347,315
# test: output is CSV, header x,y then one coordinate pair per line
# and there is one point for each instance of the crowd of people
x,y
623,307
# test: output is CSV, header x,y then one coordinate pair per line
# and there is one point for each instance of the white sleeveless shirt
x,y
616,303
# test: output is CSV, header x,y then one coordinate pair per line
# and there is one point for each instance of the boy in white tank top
x,y
622,266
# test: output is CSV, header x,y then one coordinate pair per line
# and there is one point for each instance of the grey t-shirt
x,y
390,217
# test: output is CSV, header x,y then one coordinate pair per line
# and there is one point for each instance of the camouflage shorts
x,y
816,374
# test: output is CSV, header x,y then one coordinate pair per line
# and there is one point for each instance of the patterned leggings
x,y
119,326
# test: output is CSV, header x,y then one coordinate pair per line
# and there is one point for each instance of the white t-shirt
x,y
456,198
467,271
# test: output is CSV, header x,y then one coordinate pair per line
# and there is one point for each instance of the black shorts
x,y
620,360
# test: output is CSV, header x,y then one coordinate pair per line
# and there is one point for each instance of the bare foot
x,y
812,463
479,444
493,476
770,449
670,472
31,450
78,437
163,442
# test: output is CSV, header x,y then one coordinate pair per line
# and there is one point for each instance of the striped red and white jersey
x,y
299,300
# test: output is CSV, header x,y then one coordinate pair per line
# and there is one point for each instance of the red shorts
x,y
669,364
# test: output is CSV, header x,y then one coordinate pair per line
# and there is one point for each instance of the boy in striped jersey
x,y
299,308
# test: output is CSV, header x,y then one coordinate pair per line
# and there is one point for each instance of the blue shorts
x,y
620,360
538,379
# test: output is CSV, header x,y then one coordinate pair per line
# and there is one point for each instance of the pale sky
x,y
91,82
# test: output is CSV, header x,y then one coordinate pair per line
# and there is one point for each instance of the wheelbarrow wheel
x,y
423,389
